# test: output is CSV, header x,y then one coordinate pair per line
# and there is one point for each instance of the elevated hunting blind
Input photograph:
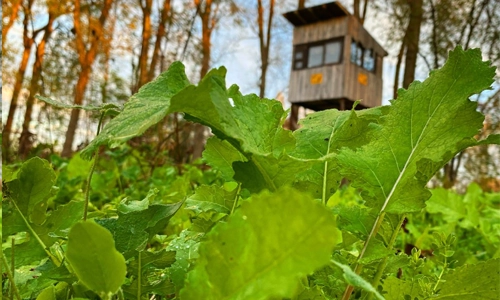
x,y
335,60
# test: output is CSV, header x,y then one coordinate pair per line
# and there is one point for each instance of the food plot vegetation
x,y
271,218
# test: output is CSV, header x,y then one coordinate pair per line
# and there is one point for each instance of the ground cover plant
x,y
276,222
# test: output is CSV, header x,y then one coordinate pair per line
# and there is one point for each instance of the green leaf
x,y
29,194
31,189
47,294
452,207
263,249
323,134
94,259
250,128
212,198
106,108
355,280
354,219
131,230
429,120
397,289
78,167
143,110
269,172
221,155
186,253
470,282
56,224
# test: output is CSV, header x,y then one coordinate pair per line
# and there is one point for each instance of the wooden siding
x,y
301,89
370,94
340,81
320,31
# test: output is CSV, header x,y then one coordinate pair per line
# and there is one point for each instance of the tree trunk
x,y
25,142
80,88
363,15
356,5
160,35
86,59
264,41
412,39
206,34
434,43
27,43
146,36
398,68
12,17
302,4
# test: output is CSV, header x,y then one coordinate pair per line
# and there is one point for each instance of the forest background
x,y
93,52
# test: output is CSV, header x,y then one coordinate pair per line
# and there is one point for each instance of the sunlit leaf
x,y
244,258
94,259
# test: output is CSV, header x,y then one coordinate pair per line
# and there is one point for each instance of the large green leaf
x,y
429,120
263,249
396,289
269,172
249,128
143,110
27,212
212,198
31,189
55,226
221,155
324,133
471,282
94,259
132,229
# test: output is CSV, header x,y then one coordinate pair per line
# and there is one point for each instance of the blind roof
x,y
316,13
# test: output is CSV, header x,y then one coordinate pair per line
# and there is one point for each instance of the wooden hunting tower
x,y
335,60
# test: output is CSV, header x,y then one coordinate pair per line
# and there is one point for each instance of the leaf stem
x,y
91,172
325,170
359,267
54,259
441,274
323,196
383,263
12,267
235,203
10,275
139,277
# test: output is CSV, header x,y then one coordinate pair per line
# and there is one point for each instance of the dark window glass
x,y
369,60
354,51
315,56
359,55
318,54
333,51
299,57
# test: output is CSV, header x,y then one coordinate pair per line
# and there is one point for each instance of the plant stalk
x,y
91,172
235,203
359,267
383,263
54,259
10,275
139,277
441,274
